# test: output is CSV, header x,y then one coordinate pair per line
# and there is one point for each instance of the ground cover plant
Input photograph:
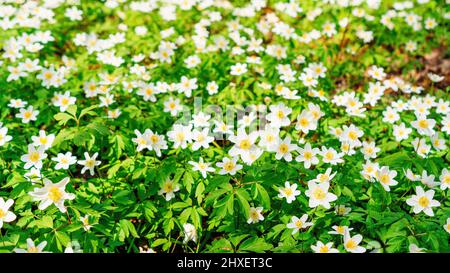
x,y
224,126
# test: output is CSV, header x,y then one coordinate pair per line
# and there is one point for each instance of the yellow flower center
x,y
32,249
200,138
324,249
90,163
64,101
423,123
180,136
304,122
307,155
319,194
2,214
254,215
446,179
329,155
154,138
168,187
299,224
424,201
352,135
350,244
283,148
55,194
229,166
323,177
245,144
27,114
34,157
287,191
142,141
48,75
384,178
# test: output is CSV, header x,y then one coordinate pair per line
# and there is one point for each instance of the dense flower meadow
x,y
224,126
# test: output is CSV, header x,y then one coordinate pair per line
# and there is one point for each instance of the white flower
x,y
269,138
187,85
428,180
340,230
73,247
318,194
63,101
324,248
180,135
370,170
89,163
200,120
64,160
435,77
142,140
411,176
212,88
421,147
331,156
146,250
447,225
423,125
352,134
33,175
401,132
305,122
342,210
74,14
289,192
438,143
423,201
255,215
3,136
17,103
279,115
192,61
386,178
28,114
308,156
172,106
413,248
43,140
445,179
31,247
299,223
351,244
190,233
85,221
325,177
168,189
243,143
284,149
6,216
148,92
52,193
202,167
34,157
229,166
238,69
370,150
